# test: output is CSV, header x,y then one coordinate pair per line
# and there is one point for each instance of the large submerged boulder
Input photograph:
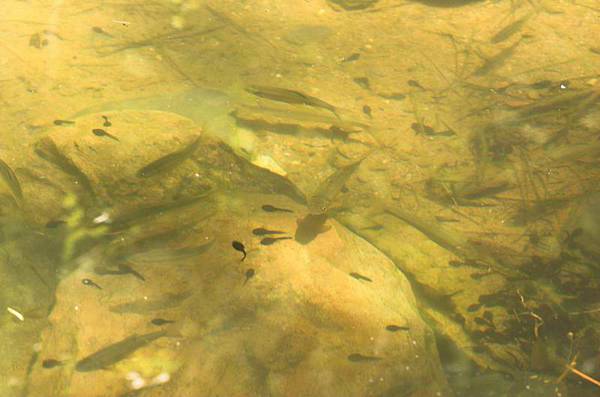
x,y
177,290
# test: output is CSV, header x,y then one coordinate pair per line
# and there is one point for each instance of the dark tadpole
x,y
360,277
87,281
107,122
249,274
272,240
63,122
51,363
260,231
239,247
396,328
101,133
161,321
270,208
357,358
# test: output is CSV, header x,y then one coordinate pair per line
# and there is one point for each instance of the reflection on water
x,y
319,198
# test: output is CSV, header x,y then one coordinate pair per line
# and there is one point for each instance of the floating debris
x,y
15,313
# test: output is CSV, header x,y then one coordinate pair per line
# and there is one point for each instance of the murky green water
x,y
300,198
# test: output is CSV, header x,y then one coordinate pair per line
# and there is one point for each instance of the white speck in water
x,y
76,308
37,347
15,313
163,377
414,342
416,356
132,375
138,383
407,368
102,218
145,298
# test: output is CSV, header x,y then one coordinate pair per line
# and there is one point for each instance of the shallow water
x,y
318,198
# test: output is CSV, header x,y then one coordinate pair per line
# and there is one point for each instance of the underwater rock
x,y
299,317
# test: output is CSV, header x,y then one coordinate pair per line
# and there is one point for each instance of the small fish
x,y
87,281
396,328
169,255
100,132
290,96
474,307
497,60
357,358
259,231
116,352
360,277
420,128
122,269
169,161
270,208
126,269
249,274
11,180
51,363
146,306
63,122
272,240
161,321
329,189
107,122
509,30
52,224
239,247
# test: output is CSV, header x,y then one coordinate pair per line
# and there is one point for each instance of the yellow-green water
x,y
300,198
